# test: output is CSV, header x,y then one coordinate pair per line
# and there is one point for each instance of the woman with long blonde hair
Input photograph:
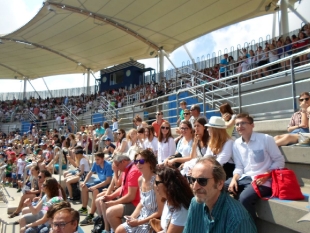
x,y
220,144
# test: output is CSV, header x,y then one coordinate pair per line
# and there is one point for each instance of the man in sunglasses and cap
x,y
212,209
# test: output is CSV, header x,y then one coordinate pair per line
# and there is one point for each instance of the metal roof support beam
x,y
104,20
43,47
33,88
167,56
47,88
297,14
274,24
12,69
190,56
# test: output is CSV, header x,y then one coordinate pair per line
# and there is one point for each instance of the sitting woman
x,y
229,118
83,169
42,225
200,145
174,188
52,195
150,205
299,122
220,144
184,145
150,142
121,144
54,164
32,193
132,140
166,144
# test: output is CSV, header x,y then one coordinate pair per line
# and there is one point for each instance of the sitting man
x,y
65,220
104,172
219,211
299,122
123,200
109,146
253,154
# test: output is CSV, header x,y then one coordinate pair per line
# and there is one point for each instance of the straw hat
x,y
216,122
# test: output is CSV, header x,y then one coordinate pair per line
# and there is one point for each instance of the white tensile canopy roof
x,y
70,36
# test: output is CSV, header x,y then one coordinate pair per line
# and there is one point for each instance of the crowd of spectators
x,y
122,198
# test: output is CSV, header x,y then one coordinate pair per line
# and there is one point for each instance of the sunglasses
x,y
186,113
200,181
157,182
306,99
163,127
184,129
119,133
141,161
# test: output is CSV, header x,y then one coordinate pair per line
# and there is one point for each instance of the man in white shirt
x,y
253,154
195,114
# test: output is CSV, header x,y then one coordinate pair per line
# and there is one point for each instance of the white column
x,y
284,17
161,65
88,80
274,23
25,87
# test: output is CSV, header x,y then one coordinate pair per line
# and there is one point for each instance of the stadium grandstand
x,y
62,131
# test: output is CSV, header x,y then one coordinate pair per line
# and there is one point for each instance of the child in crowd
x,y
8,172
21,164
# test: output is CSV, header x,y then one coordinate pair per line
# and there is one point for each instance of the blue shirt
x,y
104,172
228,216
225,63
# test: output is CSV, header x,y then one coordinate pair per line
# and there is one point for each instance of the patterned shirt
x,y
227,216
296,119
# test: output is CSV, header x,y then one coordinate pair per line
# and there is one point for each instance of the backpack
x,y
76,192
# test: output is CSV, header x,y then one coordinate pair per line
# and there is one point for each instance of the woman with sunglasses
x,y
174,189
184,145
151,141
150,205
220,144
121,144
299,122
51,189
166,144
199,147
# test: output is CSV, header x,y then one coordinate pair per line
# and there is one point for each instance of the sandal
x,y
13,215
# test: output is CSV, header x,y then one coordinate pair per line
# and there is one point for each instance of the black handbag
x,y
178,155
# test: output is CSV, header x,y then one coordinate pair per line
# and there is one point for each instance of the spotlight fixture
x,y
151,53
49,7
267,8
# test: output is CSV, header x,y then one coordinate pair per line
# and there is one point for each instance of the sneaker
x,y
97,219
87,221
19,190
83,212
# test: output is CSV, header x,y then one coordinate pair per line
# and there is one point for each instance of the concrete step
x,y
298,159
283,214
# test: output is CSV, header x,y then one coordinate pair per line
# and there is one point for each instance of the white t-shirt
x,y
178,217
20,166
166,149
84,162
225,155
153,144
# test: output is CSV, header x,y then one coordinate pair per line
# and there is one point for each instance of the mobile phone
x,y
127,217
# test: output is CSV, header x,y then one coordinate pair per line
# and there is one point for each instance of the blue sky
x,y
16,13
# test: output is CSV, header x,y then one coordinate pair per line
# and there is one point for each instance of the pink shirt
x,y
132,177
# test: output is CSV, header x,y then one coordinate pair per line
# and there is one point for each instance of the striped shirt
x,y
227,216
